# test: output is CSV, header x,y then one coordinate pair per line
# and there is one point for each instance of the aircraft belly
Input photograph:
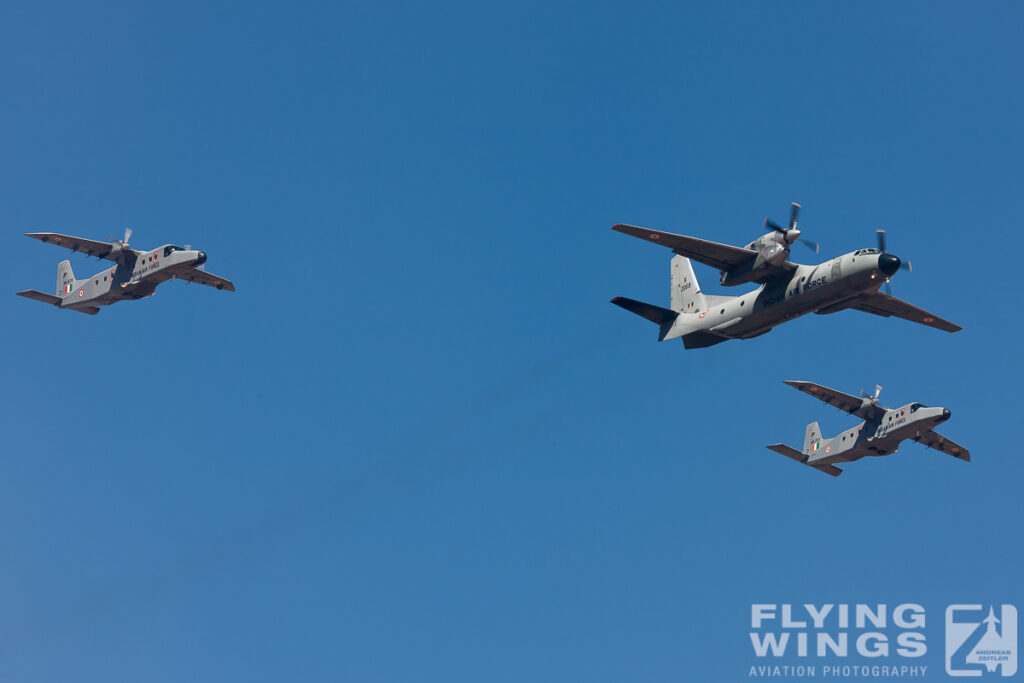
x,y
809,301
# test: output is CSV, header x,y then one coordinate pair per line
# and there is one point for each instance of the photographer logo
x,y
981,640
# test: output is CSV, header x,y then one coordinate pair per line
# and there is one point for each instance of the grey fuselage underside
x,y
825,288
132,280
881,437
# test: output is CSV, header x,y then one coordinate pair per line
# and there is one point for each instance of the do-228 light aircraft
x,y
881,432
135,275
788,290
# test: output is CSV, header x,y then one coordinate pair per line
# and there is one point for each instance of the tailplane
x,y
785,450
65,278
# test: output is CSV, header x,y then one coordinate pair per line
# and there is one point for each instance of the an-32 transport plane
x,y
787,290
135,275
881,432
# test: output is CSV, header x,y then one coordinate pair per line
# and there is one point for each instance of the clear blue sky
x,y
418,443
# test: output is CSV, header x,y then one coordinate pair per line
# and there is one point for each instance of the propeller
x,y
904,265
874,397
791,234
117,246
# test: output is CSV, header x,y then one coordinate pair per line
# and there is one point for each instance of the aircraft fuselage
x,y
824,288
878,437
133,278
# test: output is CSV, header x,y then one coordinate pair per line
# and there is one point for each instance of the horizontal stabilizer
x,y
828,469
785,450
655,314
55,301
40,296
801,458
702,339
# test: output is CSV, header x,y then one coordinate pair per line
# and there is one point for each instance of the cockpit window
x,y
169,248
915,406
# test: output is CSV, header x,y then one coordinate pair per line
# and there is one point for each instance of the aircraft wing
x,y
885,305
714,254
208,279
932,439
851,404
90,247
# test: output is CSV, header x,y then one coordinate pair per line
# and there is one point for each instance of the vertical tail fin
x,y
685,294
65,278
812,438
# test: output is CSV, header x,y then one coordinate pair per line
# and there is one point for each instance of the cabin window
x,y
742,302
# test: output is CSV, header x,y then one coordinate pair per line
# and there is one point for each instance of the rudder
x,y
685,294
812,439
65,278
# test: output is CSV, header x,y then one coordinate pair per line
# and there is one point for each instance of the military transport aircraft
x,y
880,433
135,275
788,290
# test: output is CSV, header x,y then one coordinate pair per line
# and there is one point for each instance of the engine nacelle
x,y
772,250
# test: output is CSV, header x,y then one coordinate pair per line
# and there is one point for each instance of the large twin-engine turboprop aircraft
x,y
787,290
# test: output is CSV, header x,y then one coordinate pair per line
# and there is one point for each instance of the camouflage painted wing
x,y
932,439
885,305
714,254
208,279
851,404
90,247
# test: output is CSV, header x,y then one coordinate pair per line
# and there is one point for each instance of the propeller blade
x,y
811,245
793,213
881,240
188,247
888,289
771,224
905,265
127,235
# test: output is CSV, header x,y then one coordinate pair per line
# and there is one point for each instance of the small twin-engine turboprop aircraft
x,y
788,290
881,432
135,275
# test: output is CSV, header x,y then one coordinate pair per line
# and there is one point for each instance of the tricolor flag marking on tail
x,y
67,288
814,446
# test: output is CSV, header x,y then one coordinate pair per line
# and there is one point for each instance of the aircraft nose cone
x,y
946,413
888,264
202,258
